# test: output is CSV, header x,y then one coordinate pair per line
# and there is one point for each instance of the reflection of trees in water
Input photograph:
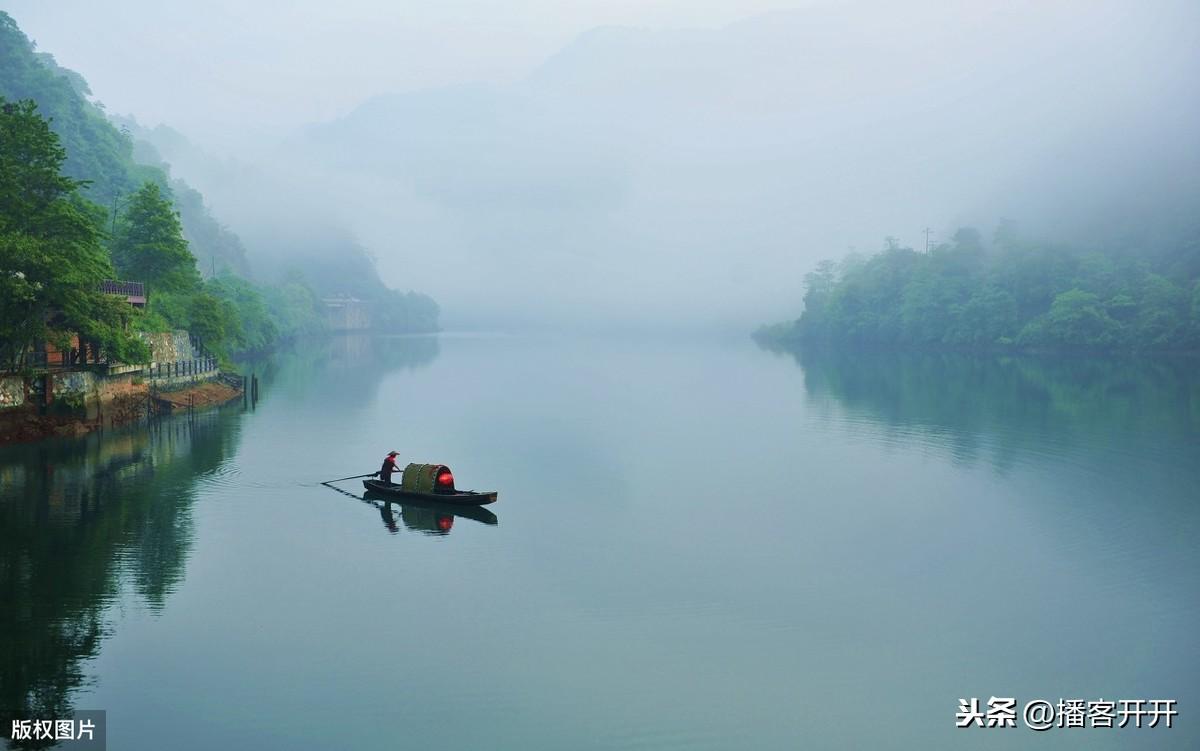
x,y
405,352
385,352
344,368
1012,404
81,520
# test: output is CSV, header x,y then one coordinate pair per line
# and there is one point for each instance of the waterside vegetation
x,y
77,208
1014,293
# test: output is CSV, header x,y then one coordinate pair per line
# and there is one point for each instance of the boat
x,y
446,497
429,483
437,497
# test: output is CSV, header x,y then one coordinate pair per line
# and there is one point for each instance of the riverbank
x,y
201,395
134,403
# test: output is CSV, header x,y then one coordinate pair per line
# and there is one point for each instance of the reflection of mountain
x,y
382,352
1008,408
81,520
354,363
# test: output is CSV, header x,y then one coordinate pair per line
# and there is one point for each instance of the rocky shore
x,y
132,405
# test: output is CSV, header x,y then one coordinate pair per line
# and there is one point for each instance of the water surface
x,y
698,545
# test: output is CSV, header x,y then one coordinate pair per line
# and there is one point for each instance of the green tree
x,y
989,318
213,320
1163,313
818,288
296,308
1076,320
1016,293
51,258
255,330
149,245
102,159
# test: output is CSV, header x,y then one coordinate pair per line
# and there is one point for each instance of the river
x,y
698,544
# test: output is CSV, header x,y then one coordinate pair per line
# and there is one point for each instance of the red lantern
x,y
444,523
446,479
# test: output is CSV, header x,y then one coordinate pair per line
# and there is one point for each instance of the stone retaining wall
x,y
12,391
74,384
174,364
170,346
82,388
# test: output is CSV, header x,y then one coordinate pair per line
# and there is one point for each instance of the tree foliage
x,y
1017,294
95,150
51,257
52,239
148,244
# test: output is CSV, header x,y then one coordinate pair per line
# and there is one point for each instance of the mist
x,y
631,167
599,374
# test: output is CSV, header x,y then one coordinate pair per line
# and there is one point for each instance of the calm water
x,y
697,545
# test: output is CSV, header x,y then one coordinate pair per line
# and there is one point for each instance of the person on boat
x,y
389,466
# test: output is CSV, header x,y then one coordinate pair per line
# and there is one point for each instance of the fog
x,y
641,165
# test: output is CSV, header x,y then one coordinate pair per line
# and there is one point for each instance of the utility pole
x,y
928,233
118,199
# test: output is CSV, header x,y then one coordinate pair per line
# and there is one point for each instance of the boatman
x,y
389,466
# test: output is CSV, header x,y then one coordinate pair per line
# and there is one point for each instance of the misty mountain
x,y
292,231
103,154
114,156
653,173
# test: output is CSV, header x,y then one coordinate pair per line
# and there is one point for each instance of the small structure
x,y
133,292
345,313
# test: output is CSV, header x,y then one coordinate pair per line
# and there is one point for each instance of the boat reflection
x,y
426,518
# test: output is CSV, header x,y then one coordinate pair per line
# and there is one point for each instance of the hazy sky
x,y
690,160
214,67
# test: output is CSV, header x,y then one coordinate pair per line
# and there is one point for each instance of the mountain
x,y
101,153
698,173
115,156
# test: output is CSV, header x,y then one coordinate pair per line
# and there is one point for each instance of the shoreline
x,y
28,424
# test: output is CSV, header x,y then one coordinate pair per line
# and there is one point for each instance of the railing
x,y
128,289
71,358
183,368
205,362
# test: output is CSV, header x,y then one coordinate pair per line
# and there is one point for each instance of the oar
x,y
355,477
336,489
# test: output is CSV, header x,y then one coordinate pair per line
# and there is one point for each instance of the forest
x,y
82,201
1012,293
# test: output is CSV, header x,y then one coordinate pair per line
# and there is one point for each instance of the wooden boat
x,y
448,497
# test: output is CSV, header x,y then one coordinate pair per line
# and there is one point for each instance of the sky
x,y
227,72
680,163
